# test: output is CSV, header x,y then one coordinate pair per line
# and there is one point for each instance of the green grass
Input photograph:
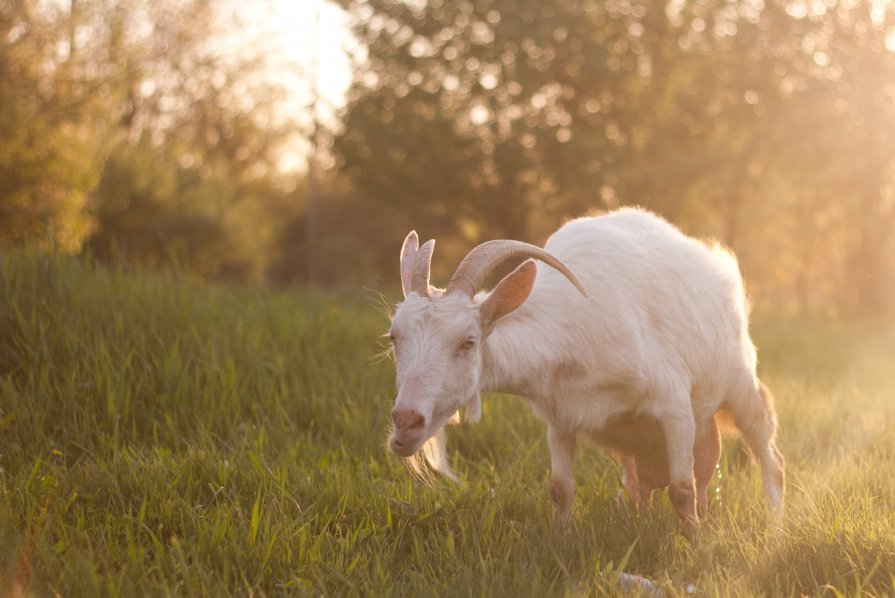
x,y
158,437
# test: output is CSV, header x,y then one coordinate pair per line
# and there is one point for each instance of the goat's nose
x,y
408,420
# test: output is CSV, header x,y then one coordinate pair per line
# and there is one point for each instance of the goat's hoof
x,y
562,524
702,510
690,531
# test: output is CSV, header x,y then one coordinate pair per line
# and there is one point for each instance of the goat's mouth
x,y
404,447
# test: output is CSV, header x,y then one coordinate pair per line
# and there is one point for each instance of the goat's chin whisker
x,y
380,356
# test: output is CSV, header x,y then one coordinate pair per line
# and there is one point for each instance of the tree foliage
x,y
769,125
48,128
137,124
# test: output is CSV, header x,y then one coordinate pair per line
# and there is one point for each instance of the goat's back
x,y
658,296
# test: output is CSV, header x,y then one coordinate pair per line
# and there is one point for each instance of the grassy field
x,y
159,437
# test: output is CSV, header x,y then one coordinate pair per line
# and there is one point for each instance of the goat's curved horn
x,y
479,262
420,280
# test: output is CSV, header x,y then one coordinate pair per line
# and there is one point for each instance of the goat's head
x,y
437,338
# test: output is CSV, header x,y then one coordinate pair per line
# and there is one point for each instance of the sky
x,y
296,21
309,33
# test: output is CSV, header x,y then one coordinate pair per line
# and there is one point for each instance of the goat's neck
x,y
515,354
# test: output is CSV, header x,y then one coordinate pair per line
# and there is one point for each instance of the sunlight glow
x,y
316,44
296,24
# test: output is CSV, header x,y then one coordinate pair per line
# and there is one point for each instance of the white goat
x,y
652,345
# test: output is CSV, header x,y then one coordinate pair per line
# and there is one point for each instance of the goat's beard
x,y
431,456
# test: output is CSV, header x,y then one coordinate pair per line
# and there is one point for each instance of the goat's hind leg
x,y
636,488
752,410
562,484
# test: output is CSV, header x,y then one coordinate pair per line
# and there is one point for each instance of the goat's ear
x,y
473,411
509,294
408,260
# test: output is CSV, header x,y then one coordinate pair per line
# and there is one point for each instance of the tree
x,y
209,120
50,122
101,89
734,119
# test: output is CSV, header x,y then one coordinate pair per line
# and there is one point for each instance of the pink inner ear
x,y
408,260
510,293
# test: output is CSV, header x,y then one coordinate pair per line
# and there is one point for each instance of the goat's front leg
x,y
562,485
680,435
706,454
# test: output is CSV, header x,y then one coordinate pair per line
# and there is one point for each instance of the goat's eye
x,y
467,344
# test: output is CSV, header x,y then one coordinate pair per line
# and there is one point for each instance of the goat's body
x,y
637,337
663,313
662,336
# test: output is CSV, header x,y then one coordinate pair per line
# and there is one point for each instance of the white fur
x,y
663,331
665,318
